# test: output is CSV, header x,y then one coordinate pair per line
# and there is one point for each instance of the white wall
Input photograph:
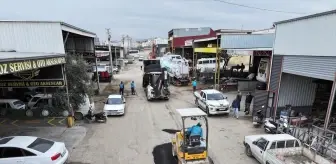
x,y
311,37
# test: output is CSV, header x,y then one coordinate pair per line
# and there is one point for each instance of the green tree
x,y
78,81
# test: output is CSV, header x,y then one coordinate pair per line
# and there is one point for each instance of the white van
x,y
208,63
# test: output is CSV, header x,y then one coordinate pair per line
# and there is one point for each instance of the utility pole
x,y
109,45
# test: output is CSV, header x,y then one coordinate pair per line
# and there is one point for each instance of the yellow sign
x,y
205,50
18,66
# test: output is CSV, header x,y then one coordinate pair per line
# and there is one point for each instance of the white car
x,y
32,150
7,105
115,105
141,58
212,101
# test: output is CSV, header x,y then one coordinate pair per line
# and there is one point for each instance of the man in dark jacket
x,y
235,106
239,97
248,101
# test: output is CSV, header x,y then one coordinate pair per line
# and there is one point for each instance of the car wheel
x,y
45,113
207,111
78,116
248,151
3,112
65,113
29,113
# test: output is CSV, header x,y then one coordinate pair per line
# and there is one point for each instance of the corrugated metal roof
x,y
247,41
31,37
306,17
183,32
60,22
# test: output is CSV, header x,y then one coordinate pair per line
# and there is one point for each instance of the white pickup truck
x,y
212,102
280,149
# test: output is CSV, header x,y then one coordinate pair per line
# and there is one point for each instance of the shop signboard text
x,y
18,66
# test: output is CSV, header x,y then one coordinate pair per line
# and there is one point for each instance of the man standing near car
x,y
248,101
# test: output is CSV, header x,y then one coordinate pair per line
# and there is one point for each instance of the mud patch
x,y
171,131
162,154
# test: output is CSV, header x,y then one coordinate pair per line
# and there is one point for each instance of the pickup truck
x,y
280,149
212,102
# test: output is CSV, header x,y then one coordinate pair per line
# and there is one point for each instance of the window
x,y
262,143
200,62
206,62
281,144
215,96
11,152
273,145
290,143
297,143
212,61
5,140
111,101
204,95
34,99
18,103
41,145
27,153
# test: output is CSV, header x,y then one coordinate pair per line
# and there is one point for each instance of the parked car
x,y
141,58
6,105
36,97
115,105
44,104
29,149
212,102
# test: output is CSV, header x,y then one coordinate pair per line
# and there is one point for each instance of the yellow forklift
x,y
191,149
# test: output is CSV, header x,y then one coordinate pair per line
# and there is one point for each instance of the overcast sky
x,y
150,18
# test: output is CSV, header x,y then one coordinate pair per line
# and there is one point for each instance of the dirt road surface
x,y
140,136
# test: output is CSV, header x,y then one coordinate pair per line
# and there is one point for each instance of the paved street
x,y
137,137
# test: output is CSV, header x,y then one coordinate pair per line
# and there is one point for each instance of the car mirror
x,y
124,102
225,97
254,142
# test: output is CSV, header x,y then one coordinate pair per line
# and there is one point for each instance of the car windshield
x,y
41,145
112,101
34,99
215,96
18,103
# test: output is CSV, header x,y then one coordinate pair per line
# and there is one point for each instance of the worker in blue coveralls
x,y
194,84
132,87
121,88
195,130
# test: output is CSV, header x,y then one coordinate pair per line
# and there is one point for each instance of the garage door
x,y
310,66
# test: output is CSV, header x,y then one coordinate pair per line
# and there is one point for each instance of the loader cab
x,y
191,148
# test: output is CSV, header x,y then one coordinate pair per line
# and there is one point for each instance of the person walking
x,y
248,101
239,97
132,87
194,84
121,88
235,106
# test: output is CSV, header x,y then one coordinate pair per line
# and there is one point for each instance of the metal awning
x,y
16,56
205,39
247,41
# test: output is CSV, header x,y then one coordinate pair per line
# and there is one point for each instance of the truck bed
x,y
298,155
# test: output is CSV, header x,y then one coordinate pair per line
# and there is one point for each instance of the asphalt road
x,y
143,134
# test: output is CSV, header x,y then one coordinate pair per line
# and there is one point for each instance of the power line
x,y
257,8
